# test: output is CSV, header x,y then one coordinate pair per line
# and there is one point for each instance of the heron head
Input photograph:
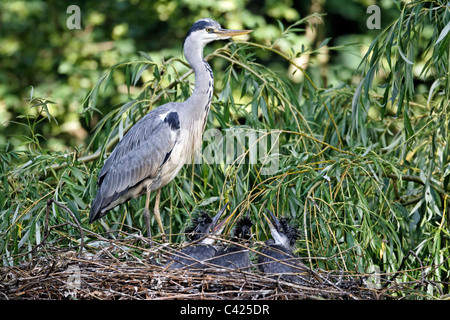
x,y
282,233
204,31
205,225
243,228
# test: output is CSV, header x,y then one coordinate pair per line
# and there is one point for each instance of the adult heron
x,y
154,150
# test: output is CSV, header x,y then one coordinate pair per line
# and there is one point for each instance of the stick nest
x,y
114,272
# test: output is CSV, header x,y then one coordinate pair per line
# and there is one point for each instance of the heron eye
x,y
209,30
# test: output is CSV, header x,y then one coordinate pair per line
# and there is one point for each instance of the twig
x,y
410,252
311,191
49,202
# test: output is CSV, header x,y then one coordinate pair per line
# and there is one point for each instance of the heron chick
x,y
153,151
200,248
236,255
277,256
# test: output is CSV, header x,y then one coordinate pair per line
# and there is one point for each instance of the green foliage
x,y
363,169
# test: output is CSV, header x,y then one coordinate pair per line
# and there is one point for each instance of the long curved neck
x,y
204,80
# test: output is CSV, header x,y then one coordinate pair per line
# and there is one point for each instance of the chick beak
x,y
276,221
275,228
218,227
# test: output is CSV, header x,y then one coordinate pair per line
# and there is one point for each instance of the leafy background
x,y
362,114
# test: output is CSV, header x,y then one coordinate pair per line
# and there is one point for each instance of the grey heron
x,y
153,151
277,255
236,255
201,246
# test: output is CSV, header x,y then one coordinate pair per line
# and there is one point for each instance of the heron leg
x,y
147,218
158,215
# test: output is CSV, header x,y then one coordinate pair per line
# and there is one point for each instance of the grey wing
x,y
190,257
137,157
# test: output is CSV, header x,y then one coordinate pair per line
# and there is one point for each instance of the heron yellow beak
x,y
230,33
